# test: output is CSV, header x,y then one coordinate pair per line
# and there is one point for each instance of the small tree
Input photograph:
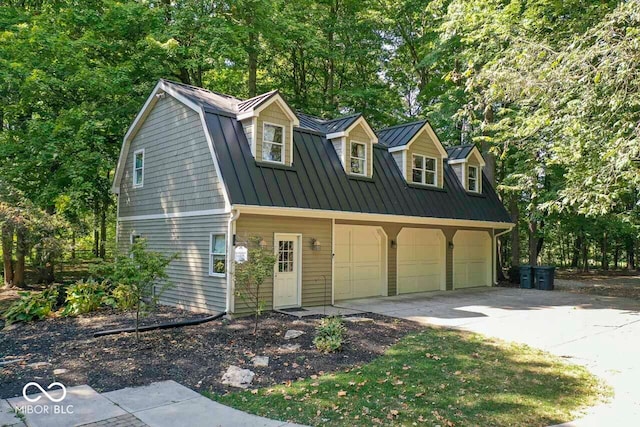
x,y
250,275
137,274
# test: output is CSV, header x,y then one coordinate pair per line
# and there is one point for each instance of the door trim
x,y
298,239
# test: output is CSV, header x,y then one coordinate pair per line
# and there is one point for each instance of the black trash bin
x,y
544,277
526,277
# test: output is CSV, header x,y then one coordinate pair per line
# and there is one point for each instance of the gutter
x,y
231,237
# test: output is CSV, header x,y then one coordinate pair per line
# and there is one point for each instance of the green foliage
x,y
250,275
140,278
32,306
123,297
86,296
330,334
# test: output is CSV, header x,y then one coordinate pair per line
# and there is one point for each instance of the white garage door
x,y
421,260
471,259
359,263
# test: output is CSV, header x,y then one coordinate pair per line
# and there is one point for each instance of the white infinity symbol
x,y
51,398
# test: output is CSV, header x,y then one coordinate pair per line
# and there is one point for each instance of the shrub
x,y
123,297
32,306
86,296
330,334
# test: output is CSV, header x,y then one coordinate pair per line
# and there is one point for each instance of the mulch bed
x,y
195,356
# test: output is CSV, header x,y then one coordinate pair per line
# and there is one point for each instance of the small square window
x,y
424,170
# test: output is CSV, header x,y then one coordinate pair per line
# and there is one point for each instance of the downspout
x,y
495,251
231,232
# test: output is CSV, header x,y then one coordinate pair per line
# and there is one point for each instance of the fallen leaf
x,y
342,393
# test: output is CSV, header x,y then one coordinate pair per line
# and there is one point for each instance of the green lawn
x,y
436,377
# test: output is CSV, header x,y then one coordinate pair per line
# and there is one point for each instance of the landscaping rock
x,y
10,361
59,371
358,319
238,377
260,361
289,347
39,365
292,333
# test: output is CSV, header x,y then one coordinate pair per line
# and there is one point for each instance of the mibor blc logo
x,y
44,407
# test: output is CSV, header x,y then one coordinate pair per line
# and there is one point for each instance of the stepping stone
x,y
289,347
238,377
358,319
7,415
292,333
39,365
134,399
260,361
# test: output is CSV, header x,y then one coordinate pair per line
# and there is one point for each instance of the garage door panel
x,y
358,262
471,259
420,260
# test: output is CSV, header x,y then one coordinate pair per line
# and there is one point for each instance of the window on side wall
x,y
273,143
358,158
472,180
138,168
217,255
424,170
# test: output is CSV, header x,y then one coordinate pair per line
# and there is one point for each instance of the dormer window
x,y
358,158
472,179
425,170
273,143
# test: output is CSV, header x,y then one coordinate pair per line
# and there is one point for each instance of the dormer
x,y
418,153
467,163
268,124
353,140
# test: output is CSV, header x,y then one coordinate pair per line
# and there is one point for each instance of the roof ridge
x,y
224,95
423,121
344,117
269,93
460,146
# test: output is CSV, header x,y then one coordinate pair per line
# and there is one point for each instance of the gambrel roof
x,y
317,179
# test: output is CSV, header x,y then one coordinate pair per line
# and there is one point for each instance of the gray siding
x,y
179,174
193,288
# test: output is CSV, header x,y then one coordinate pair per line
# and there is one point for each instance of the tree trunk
x,y
252,53
585,256
575,259
7,254
73,244
103,229
616,257
604,262
96,228
489,157
18,276
533,243
514,209
631,264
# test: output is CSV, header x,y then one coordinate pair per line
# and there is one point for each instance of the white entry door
x,y
286,276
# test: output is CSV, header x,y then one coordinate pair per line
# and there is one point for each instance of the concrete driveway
x,y
601,333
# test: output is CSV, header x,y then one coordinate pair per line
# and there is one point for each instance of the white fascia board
x,y
456,161
400,148
357,216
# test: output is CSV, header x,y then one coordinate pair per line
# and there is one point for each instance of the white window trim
x,y
477,178
135,154
211,254
425,170
366,158
282,151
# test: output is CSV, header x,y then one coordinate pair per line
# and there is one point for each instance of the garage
x,y
359,262
421,260
471,259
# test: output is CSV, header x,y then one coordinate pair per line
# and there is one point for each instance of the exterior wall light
x,y
315,244
394,244
263,244
451,245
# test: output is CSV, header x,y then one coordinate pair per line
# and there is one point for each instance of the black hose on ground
x,y
167,325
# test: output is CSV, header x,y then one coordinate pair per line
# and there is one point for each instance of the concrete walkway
x,y
600,333
161,404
